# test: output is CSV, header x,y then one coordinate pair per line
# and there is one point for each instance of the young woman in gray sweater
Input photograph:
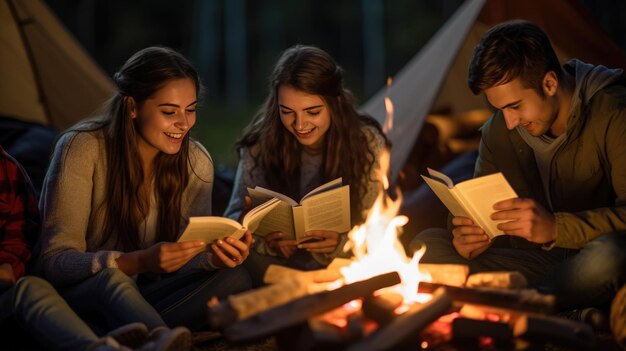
x,y
120,190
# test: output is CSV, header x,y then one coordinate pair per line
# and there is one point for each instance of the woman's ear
x,y
131,106
550,83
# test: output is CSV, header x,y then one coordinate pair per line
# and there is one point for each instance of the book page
x,y
447,197
329,210
260,193
324,187
279,219
253,218
481,193
442,177
211,228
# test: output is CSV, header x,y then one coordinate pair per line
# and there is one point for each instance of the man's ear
x,y
131,106
550,83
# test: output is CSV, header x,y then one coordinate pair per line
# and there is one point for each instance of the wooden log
x,y
405,328
299,310
381,308
522,300
448,274
555,330
474,328
498,280
276,274
243,305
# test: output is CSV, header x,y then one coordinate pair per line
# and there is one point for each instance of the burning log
x,y
298,311
448,274
499,280
407,325
467,328
522,300
381,308
555,330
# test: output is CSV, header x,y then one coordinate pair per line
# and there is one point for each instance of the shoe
x,y
165,339
592,316
131,335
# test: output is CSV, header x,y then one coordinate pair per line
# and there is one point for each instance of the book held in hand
x,y
473,198
326,207
211,228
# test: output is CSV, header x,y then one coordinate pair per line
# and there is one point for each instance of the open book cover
x,y
210,228
326,207
473,198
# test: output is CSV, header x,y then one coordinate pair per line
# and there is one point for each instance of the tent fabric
x,y
47,77
434,80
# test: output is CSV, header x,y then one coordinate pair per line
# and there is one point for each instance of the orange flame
x,y
375,243
389,108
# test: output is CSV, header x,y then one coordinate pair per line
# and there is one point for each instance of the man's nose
x,y
510,120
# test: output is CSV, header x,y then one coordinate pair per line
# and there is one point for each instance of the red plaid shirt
x,y
19,215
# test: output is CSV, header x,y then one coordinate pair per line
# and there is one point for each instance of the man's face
x,y
523,106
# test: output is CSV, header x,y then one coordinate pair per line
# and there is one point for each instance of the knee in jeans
x,y
113,278
432,236
32,288
610,250
240,278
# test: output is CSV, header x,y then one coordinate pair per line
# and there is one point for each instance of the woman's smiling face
x,y
163,120
305,116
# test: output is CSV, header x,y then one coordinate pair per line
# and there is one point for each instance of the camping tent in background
x,y
47,77
48,83
435,79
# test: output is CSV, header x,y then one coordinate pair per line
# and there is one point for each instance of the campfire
x,y
383,299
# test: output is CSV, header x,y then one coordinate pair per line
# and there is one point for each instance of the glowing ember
x,y
375,243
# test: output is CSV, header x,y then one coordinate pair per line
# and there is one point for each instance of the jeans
x,y
111,297
40,310
578,278
257,264
181,297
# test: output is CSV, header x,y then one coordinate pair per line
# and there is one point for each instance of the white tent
x,y
47,77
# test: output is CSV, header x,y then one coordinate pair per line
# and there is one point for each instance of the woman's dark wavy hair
x,y
313,71
127,206
510,50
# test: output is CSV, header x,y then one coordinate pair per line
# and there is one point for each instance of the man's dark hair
x,y
510,50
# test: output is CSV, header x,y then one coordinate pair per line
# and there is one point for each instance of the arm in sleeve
x,y
582,227
66,207
19,215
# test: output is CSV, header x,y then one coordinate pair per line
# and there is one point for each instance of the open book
x,y
473,198
210,228
326,207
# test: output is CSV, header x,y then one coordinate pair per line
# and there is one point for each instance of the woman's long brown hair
x,y
126,206
346,151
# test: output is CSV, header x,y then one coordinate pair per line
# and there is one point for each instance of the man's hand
x,y
7,277
286,248
469,239
326,241
231,252
525,218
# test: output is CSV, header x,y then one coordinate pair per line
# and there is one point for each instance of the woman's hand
x,y
163,257
322,241
286,248
231,252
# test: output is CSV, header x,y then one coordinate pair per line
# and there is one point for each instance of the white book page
x,y
481,194
447,197
279,219
253,218
329,210
211,228
261,193
442,177
322,188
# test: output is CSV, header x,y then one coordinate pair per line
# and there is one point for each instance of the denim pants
x,y
181,297
109,300
40,310
581,278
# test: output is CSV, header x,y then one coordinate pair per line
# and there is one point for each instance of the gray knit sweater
x,y
72,203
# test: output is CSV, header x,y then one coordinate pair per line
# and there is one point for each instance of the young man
x,y
558,137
